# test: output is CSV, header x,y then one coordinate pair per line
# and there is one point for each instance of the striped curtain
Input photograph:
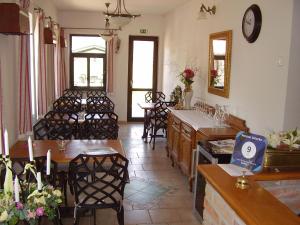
x,y
25,114
110,66
60,68
42,69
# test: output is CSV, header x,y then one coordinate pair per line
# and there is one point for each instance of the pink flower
x,y
19,206
188,73
40,211
31,215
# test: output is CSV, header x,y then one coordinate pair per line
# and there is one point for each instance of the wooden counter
x,y
255,206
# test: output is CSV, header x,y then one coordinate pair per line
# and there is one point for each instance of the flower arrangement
x,y
186,77
285,140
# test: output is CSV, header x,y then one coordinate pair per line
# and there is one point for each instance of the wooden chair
x,y
100,126
53,129
72,93
67,105
158,119
95,93
157,96
99,104
99,182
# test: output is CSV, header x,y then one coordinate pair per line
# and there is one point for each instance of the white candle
x,y
30,149
6,145
48,162
39,181
16,189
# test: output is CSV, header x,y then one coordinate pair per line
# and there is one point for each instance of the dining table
x,y
146,106
71,149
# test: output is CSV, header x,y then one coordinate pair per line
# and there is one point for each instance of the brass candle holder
x,y
242,182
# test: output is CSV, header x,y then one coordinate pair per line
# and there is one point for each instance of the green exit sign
x,y
143,31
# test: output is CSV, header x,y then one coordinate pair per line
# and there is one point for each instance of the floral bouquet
x,y
37,202
287,140
186,77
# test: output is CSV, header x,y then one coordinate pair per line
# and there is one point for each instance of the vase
x,y
188,94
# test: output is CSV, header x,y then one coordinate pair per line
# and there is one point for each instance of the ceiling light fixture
x,y
108,34
119,18
204,10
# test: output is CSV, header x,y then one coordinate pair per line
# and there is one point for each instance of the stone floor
x,y
157,194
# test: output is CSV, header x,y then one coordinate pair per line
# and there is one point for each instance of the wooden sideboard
x,y
186,128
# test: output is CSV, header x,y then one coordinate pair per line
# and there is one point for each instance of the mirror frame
x,y
227,35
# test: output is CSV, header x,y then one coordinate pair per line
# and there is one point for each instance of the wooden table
x,y
147,106
73,148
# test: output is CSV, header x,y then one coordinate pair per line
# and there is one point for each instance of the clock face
x,y
252,23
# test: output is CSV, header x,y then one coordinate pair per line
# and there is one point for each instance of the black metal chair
x,y
99,104
67,104
157,96
95,93
72,93
72,118
100,126
99,182
158,119
54,129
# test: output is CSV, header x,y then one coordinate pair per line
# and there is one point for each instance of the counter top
x,y
256,206
194,118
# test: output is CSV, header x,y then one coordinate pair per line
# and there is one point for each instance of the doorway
x,y
142,73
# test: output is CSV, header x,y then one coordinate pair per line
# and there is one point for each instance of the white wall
x,y
155,26
292,107
258,85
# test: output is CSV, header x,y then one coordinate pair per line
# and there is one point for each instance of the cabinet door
x,y
176,147
186,149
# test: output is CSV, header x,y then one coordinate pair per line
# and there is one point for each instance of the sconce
x,y
204,10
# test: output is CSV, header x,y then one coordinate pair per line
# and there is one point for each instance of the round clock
x,y
252,23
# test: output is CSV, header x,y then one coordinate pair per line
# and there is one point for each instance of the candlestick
x,y
39,181
48,162
30,149
6,145
16,189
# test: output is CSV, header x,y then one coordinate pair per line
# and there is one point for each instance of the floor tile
x,y
137,216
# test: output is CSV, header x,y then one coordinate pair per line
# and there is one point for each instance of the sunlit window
x,y
88,57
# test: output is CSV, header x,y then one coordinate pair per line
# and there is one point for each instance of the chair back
x,y
98,180
72,93
67,104
99,104
160,116
157,96
95,93
54,129
100,126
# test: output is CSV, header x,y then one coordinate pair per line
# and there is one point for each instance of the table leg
x,y
145,134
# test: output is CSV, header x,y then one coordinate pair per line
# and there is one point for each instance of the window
x,y
88,62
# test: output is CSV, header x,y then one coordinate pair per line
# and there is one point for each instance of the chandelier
x,y
108,34
118,17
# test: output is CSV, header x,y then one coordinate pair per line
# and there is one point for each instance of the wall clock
x,y
252,23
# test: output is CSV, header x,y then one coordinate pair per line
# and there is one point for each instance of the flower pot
x,y
282,159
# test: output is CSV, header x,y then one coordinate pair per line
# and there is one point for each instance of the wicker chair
x,y
72,93
99,104
95,93
67,105
99,182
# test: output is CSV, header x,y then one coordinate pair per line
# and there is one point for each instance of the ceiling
x,y
158,7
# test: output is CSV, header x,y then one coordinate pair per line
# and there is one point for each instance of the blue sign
x,y
249,150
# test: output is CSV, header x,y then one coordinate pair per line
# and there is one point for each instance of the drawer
x,y
186,130
176,123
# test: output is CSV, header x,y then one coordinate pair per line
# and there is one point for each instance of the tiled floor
x,y
158,194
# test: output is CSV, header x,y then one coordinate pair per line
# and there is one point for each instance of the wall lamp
x,y
204,10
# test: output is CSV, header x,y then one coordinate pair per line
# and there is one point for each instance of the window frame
x,y
87,56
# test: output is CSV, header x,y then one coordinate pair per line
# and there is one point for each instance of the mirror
x,y
219,63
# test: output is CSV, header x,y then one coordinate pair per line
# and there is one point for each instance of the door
x,y
142,73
